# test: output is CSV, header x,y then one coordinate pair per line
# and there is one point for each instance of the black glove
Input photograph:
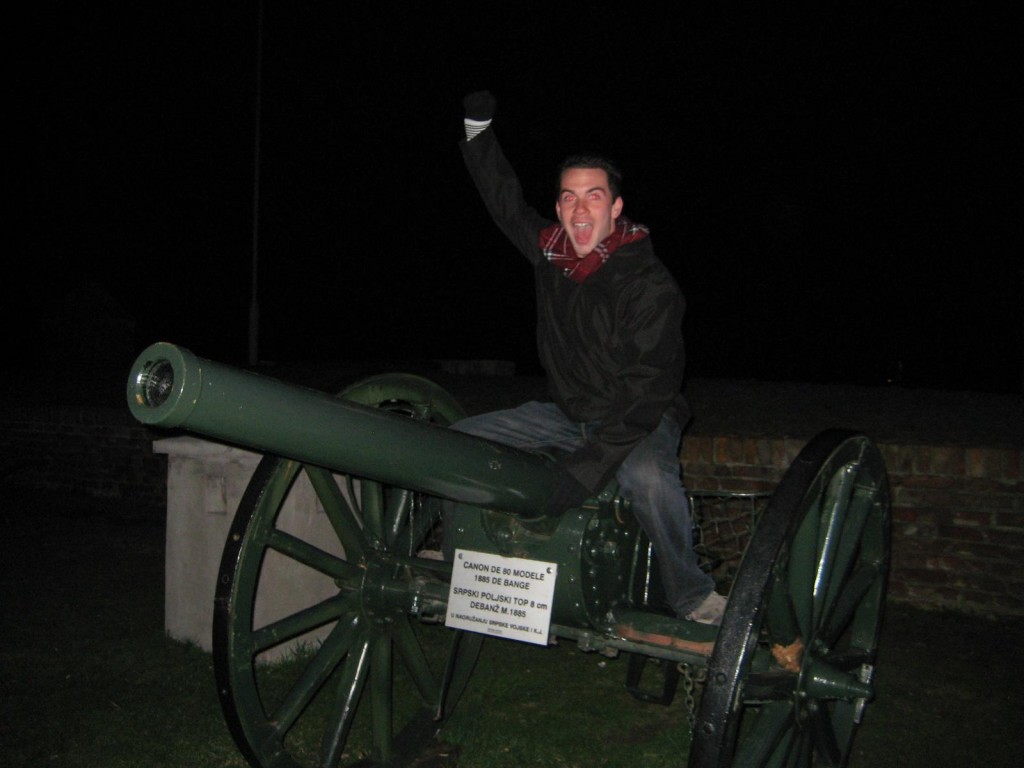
x,y
569,492
480,105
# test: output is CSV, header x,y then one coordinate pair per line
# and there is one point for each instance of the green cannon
x,y
431,526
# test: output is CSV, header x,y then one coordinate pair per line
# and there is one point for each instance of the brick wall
x,y
98,458
958,511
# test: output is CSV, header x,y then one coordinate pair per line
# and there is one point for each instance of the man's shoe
x,y
710,611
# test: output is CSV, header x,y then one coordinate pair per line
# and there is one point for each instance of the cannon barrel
x,y
172,388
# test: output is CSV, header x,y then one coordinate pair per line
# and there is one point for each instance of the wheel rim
x,y
341,696
791,674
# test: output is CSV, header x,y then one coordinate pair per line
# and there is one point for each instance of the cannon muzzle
x,y
169,387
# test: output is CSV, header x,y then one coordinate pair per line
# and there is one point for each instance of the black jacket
x,y
612,346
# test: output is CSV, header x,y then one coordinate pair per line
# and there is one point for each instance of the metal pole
x,y
254,302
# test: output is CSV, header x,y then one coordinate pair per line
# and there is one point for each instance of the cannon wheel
x,y
790,675
306,709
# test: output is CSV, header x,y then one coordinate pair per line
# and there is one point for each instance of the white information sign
x,y
508,597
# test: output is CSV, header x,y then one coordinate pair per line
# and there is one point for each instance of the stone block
x,y
205,482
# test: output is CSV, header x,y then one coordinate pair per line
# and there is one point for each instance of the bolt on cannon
x,y
432,526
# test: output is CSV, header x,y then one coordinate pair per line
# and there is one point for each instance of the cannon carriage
x,y
788,674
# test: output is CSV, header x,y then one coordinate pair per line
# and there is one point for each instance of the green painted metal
x,y
592,546
305,713
172,388
380,461
815,573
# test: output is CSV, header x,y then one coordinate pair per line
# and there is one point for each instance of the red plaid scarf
x,y
558,249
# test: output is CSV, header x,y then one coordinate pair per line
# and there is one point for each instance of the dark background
x,y
837,192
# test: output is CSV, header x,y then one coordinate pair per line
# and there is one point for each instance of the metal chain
x,y
693,686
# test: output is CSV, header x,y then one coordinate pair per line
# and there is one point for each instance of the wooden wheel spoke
x,y
837,504
382,694
371,506
423,516
769,686
277,484
338,510
303,621
462,656
303,552
823,736
766,734
798,752
396,513
848,548
411,654
849,600
314,675
782,624
349,691
803,565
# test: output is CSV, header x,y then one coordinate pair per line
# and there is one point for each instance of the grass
x,y
88,677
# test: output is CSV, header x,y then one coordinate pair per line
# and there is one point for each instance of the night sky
x,y
837,193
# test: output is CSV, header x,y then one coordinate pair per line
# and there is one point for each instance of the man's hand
x,y
569,492
480,105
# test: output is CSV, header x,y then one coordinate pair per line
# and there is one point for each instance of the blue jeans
x,y
649,477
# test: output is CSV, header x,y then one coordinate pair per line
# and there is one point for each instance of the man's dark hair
x,y
592,161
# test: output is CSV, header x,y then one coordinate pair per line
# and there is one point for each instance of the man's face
x,y
586,208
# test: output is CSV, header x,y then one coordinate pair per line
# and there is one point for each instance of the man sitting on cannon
x,y
609,335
